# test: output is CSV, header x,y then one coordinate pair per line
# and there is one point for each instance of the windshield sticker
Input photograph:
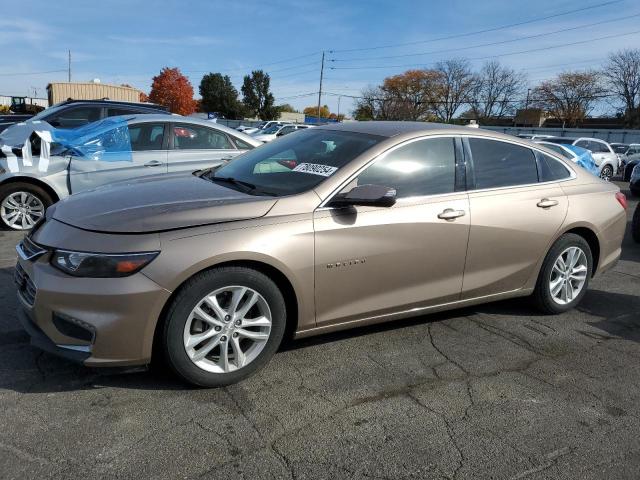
x,y
315,169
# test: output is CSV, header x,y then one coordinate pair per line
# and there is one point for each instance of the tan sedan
x,y
324,229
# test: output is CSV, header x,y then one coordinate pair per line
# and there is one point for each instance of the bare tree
x,y
495,91
570,97
622,76
453,88
408,96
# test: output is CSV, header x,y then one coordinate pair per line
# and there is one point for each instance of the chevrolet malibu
x,y
325,229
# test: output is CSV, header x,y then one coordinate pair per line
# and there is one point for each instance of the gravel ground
x,y
495,391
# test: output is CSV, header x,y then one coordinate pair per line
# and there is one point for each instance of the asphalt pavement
x,y
494,391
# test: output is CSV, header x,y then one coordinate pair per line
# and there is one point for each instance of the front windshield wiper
x,y
234,181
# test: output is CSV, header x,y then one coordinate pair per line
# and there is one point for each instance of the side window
x,y
423,167
551,169
196,137
146,136
600,147
75,117
113,112
583,144
242,145
501,164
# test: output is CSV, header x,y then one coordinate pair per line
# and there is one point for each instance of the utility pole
x,y
338,114
320,90
526,106
69,67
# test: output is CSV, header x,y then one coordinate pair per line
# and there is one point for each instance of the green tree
x,y
286,107
219,95
257,97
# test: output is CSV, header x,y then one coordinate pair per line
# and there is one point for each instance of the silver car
x,y
54,164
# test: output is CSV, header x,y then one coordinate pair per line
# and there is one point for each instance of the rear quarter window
x,y
501,164
551,169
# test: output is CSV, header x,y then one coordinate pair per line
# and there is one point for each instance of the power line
x,y
31,73
478,32
502,42
561,45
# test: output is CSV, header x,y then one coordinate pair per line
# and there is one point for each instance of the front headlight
x,y
100,265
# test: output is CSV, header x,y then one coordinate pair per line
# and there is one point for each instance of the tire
x,y
7,202
542,295
635,224
606,173
178,328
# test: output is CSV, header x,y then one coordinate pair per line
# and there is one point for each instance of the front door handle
x,y
546,203
450,214
153,163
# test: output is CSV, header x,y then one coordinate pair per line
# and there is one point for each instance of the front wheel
x,y
22,205
564,276
224,325
607,173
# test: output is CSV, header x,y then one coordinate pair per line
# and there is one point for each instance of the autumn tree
x,y
570,96
409,95
286,107
495,91
219,95
173,90
453,87
313,111
257,97
622,77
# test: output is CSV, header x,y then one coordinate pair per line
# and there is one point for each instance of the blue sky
x,y
121,41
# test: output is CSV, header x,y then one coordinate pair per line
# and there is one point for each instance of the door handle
x,y
546,203
450,214
153,163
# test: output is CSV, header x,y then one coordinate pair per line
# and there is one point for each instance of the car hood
x,y
158,203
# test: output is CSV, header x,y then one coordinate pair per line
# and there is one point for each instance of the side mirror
x,y
366,195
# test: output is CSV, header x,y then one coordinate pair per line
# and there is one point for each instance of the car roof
x,y
107,102
391,129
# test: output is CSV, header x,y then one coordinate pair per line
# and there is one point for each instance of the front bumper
x,y
120,313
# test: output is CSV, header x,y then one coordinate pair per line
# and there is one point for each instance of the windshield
x,y
272,129
296,163
47,111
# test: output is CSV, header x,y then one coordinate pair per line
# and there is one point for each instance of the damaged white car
x,y
56,163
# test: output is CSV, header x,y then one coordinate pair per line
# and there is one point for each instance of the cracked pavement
x,y
494,391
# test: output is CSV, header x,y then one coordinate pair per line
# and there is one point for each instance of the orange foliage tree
x,y
173,90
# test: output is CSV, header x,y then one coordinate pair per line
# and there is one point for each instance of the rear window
x,y
551,169
501,164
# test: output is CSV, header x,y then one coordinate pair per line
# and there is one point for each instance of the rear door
x,y
192,147
147,156
514,216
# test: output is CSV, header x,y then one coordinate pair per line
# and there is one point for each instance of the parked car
x,y
619,148
578,155
117,148
246,129
533,136
604,156
269,124
276,131
73,114
372,224
630,162
634,181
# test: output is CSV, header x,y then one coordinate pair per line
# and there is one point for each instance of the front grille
x,y
26,287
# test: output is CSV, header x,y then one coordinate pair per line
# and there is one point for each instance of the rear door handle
x,y
450,214
153,163
546,203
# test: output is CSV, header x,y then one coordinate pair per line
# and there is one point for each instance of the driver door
x,y
372,261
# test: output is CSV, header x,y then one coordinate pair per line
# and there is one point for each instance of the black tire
x,y
542,293
190,294
635,224
607,173
11,188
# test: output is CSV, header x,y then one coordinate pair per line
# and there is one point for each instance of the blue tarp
x,y
585,160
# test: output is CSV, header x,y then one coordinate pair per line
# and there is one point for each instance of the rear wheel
x,y
224,325
22,205
607,173
564,276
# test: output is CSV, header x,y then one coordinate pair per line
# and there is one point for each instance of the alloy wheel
x,y
568,275
227,329
21,210
607,173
